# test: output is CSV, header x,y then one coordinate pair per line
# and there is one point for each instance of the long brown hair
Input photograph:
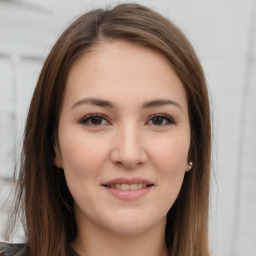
x,y
42,191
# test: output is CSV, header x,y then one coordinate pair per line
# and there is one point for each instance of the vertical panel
x,y
246,226
7,118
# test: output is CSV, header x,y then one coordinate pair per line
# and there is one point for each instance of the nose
x,y
128,149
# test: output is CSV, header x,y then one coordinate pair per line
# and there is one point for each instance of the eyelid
x,y
86,118
167,117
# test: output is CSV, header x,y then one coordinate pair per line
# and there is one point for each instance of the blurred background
x,y
223,33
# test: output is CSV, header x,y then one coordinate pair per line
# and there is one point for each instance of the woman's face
x,y
124,137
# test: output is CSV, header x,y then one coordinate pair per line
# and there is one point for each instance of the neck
x,y
93,241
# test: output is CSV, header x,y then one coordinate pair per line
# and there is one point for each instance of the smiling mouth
x,y
135,186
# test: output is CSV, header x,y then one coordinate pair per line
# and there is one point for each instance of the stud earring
x,y
190,164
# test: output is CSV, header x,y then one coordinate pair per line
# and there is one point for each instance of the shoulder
x,y
7,249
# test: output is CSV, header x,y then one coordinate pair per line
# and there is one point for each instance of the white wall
x,y
224,35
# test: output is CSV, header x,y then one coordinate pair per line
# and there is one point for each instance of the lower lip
x,y
128,194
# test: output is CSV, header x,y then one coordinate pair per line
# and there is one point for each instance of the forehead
x,y
120,70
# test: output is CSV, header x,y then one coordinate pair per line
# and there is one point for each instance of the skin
x,y
125,141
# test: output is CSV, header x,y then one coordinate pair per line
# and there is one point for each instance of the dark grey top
x,y
7,249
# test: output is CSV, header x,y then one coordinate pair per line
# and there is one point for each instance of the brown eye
x,y
97,120
161,120
157,120
94,120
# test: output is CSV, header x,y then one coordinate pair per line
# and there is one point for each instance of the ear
x,y
57,158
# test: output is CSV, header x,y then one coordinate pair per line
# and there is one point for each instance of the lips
x,y
128,184
123,188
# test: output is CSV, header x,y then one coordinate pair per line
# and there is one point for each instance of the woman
x,y
116,154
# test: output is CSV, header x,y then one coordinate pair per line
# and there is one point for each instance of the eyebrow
x,y
108,104
160,102
94,101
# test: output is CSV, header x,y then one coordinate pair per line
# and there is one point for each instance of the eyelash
x,y
85,120
169,120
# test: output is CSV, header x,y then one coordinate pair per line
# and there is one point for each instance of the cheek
x,y
170,155
170,161
82,156
83,160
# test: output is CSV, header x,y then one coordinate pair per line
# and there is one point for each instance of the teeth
x,y
133,186
129,186
125,186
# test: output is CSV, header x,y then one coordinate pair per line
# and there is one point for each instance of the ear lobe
x,y
189,166
189,161
57,158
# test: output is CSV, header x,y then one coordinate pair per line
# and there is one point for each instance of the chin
x,y
133,225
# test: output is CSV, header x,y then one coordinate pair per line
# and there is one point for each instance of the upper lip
x,y
128,181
